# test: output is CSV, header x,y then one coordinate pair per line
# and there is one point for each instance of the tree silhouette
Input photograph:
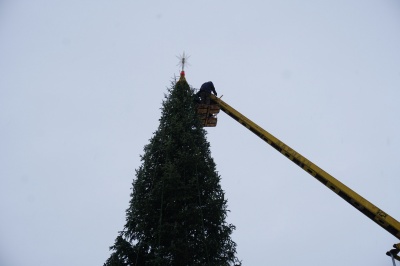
x,y
177,210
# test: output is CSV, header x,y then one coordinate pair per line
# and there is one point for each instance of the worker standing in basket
x,y
205,91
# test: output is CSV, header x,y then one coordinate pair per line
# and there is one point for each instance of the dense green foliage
x,y
177,209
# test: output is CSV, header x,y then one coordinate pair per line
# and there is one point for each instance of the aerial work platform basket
x,y
207,113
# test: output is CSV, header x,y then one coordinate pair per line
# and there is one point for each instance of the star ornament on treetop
x,y
183,61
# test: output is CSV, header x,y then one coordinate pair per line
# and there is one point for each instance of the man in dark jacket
x,y
205,91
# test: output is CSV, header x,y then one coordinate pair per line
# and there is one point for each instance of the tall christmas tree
x,y
177,209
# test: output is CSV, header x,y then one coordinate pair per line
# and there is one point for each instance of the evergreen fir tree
x,y
177,209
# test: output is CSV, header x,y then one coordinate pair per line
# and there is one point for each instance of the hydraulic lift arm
x,y
367,208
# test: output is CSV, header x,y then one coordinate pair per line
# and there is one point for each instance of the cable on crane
x,y
393,253
394,262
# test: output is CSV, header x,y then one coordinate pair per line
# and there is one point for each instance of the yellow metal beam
x,y
367,208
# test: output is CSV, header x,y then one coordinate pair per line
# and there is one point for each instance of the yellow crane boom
x,y
367,208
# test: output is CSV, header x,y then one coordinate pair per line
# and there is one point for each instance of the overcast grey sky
x,y
81,88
